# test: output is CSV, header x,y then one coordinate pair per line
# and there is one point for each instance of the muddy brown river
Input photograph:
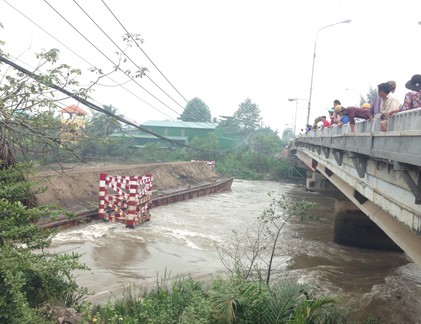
x,y
180,241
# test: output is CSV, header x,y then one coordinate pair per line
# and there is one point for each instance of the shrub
x,y
29,275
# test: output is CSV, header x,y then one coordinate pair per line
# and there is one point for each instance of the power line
x,y
122,51
150,60
83,59
89,104
114,64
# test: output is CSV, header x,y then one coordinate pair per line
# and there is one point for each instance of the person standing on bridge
x,y
331,112
375,105
413,98
351,113
389,104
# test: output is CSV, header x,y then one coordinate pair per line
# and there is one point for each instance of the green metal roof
x,y
179,124
138,134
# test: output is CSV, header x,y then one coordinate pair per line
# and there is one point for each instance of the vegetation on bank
x,y
222,300
30,276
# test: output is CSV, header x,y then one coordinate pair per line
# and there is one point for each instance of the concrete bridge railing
x,y
379,172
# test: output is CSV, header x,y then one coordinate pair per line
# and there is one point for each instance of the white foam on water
x,y
186,235
93,231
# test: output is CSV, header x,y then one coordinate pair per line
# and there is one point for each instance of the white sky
x,y
224,51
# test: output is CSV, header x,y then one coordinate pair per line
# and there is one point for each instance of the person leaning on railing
x,y
389,104
351,113
412,98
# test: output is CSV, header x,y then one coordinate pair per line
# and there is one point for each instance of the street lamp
x,y
296,106
314,59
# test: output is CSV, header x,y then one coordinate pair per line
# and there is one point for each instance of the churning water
x,y
180,241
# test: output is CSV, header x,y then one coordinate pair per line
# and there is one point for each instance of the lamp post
x,y
296,106
314,59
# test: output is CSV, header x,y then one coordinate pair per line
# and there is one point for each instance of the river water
x,y
180,241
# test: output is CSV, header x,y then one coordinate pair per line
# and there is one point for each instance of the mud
x,y
76,189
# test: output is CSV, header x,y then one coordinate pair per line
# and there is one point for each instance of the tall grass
x,y
221,300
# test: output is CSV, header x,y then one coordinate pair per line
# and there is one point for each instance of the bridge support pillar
x,y
317,182
353,228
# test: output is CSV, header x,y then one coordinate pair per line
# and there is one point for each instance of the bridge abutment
x,y
353,228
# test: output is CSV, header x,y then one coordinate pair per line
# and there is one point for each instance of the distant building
x,y
175,130
73,121
182,132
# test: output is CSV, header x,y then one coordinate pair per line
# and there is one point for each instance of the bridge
x,y
378,173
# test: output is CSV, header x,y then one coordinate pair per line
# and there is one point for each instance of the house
x,y
175,130
73,121
182,132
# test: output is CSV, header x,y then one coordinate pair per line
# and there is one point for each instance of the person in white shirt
x,y
388,104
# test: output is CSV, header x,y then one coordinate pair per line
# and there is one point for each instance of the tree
x,y
252,252
196,111
288,134
28,106
371,95
266,141
102,125
29,101
28,280
248,116
229,125
207,148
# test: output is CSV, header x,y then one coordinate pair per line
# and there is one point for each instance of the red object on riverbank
x,y
125,199
158,199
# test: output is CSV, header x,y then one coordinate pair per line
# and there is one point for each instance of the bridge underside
x,y
377,188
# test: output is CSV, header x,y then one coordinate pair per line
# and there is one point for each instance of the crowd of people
x,y
384,106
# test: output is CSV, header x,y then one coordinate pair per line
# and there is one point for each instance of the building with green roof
x,y
178,131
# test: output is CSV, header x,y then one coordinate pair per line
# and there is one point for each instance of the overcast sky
x,y
224,51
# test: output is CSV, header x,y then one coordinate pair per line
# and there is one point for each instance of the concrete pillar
x,y
353,228
317,182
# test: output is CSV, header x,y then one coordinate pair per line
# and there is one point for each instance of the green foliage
x,y
196,111
265,141
258,160
180,302
29,276
231,300
229,125
207,148
100,147
102,125
371,95
248,115
27,107
245,164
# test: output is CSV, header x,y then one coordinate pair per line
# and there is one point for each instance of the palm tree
x,y
104,125
237,300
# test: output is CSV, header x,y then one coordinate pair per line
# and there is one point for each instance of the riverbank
x,y
76,189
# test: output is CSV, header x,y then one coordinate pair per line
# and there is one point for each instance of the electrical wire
x,y
150,60
90,104
108,77
83,59
114,64
130,59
